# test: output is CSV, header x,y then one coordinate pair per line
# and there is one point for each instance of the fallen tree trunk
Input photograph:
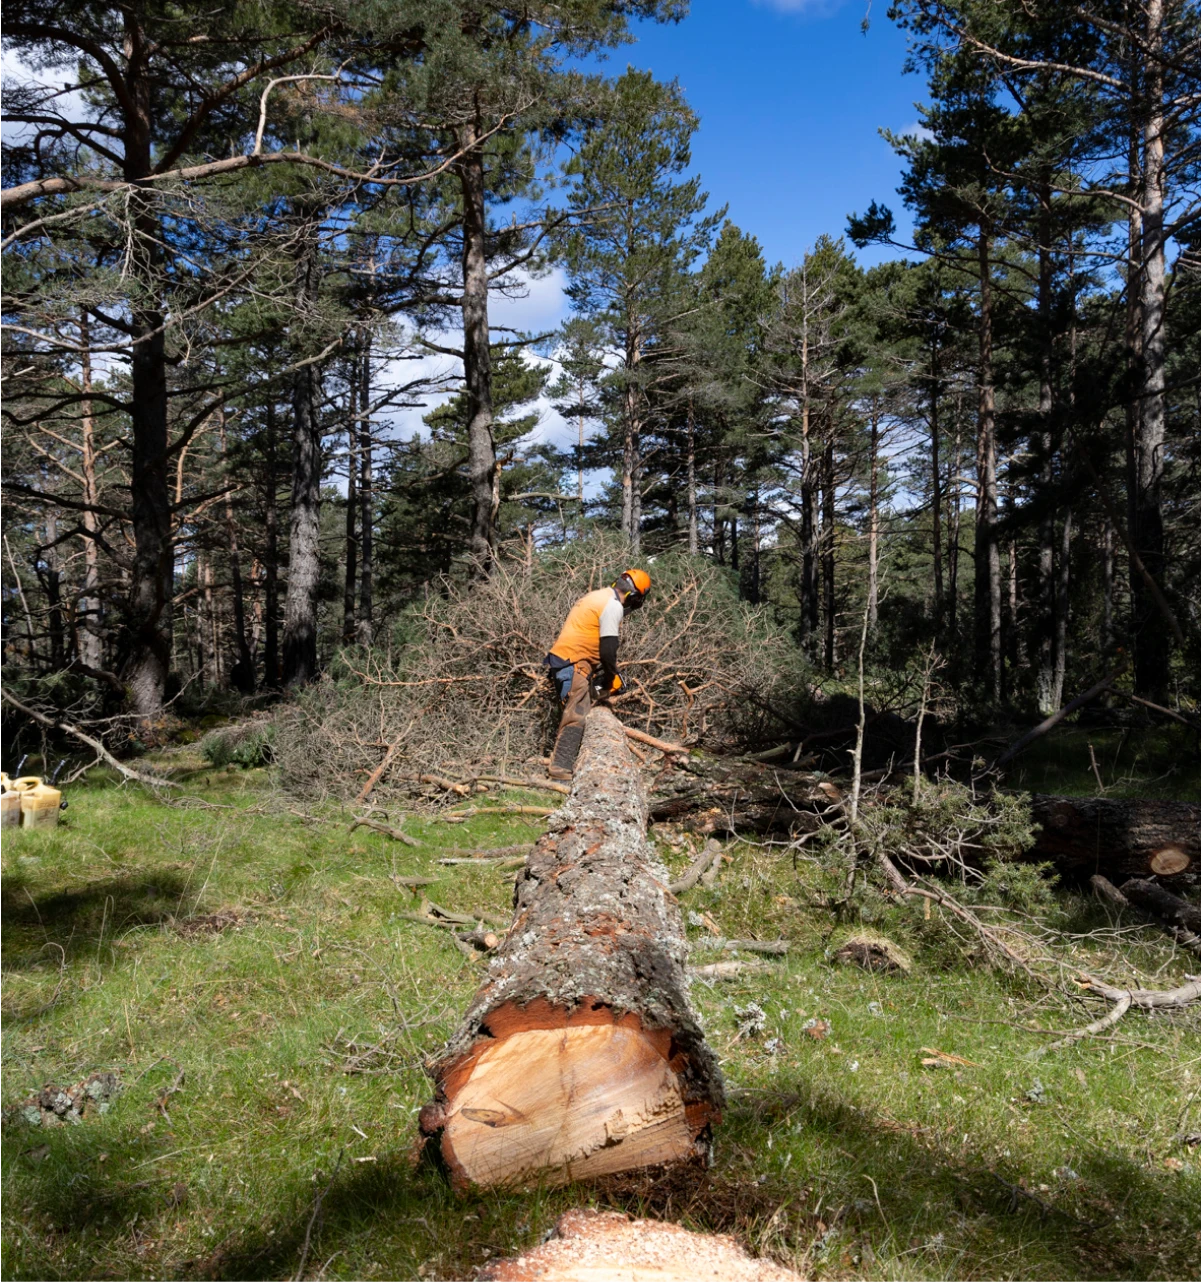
x,y
1163,904
1119,839
580,1054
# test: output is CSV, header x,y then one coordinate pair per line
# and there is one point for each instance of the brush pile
x,y
463,687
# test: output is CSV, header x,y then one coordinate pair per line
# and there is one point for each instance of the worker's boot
x,y
567,747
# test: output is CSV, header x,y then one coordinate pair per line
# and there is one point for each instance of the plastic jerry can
x,y
39,804
10,806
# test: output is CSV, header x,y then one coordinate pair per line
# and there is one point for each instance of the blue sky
x,y
791,95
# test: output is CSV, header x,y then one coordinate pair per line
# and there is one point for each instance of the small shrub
x,y
249,745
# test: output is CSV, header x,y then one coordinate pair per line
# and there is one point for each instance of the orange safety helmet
x,y
637,585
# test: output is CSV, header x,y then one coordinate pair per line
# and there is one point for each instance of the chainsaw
x,y
603,689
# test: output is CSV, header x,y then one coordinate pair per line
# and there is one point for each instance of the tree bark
x,y
1063,592
873,523
304,551
242,673
955,497
580,1054
1152,642
987,551
365,627
829,545
631,448
693,533
148,613
351,578
936,481
1119,839
271,670
54,596
90,643
1047,700
477,350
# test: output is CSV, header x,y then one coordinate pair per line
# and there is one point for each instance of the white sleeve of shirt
x,y
610,620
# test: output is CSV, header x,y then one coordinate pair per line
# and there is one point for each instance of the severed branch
x,y
52,723
394,833
651,742
1055,718
1180,919
458,816
697,869
992,938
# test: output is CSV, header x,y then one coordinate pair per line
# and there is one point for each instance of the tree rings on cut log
x,y
1167,861
606,1246
580,1054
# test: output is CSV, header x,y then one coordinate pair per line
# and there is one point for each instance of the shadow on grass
x,y
81,919
893,1191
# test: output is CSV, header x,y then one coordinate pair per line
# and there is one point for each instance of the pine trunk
x,y
90,643
829,545
271,671
242,673
1151,638
873,524
477,350
693,532
304,550
936,485
987,552
365,628
1045,447
351,577
580,1055
631,449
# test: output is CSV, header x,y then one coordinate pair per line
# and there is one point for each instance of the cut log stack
x,y
580,1054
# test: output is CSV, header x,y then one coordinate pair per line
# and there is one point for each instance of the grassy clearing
x,y
241,1136
1160,762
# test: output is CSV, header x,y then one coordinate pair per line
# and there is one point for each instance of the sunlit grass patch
x,y
272,1053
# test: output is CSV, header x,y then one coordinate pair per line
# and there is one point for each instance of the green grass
x,y
843,1156
1161,762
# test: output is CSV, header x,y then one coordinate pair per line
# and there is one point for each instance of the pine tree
x,y
645,230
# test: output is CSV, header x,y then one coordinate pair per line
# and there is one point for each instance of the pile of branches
x,y
465,685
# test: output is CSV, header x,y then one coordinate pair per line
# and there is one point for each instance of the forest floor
x,y
249,974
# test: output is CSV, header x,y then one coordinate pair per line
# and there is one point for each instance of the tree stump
x,y
580,1054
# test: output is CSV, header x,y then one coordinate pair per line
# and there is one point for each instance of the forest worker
x,y
585,656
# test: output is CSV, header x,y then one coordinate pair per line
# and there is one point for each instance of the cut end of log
x,y
560,1096
1168,861
606,1246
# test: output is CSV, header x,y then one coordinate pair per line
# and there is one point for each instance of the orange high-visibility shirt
x,y
579,641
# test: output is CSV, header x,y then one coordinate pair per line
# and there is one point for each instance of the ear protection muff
x,y
634,595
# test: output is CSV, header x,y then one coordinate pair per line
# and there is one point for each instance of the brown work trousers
x,y
571,724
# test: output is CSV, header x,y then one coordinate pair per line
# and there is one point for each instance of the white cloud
x,y
806,8
16,72
536,306
540,306
916,130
